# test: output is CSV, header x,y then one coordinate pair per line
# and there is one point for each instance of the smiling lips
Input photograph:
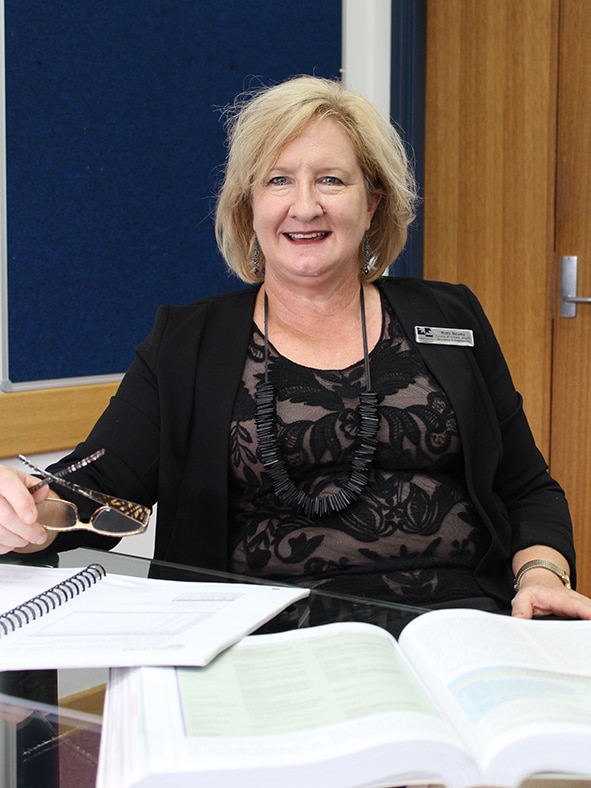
x,y
306,236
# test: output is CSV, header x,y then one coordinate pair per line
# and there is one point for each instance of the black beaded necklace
x,y
366,442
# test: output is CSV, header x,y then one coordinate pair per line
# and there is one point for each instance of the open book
x,y
465,698
56,618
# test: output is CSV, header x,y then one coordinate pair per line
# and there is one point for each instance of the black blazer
x,y
166,432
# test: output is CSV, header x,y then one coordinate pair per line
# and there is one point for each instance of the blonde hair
x,y
260,124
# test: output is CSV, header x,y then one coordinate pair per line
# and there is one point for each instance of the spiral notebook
x,y
84,617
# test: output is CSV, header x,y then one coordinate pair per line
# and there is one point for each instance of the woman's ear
x,y
372,205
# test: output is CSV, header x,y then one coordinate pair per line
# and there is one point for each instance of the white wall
x,y
366,49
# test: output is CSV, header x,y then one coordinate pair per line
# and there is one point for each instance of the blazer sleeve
x,y
129,431
535,502
506,475
165,431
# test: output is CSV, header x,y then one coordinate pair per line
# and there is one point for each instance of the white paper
x,y
128,621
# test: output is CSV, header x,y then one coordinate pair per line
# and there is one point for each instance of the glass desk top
x,y
50,720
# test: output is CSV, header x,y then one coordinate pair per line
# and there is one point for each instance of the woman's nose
x,y
305,203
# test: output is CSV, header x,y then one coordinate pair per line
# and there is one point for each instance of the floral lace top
x,y
412,536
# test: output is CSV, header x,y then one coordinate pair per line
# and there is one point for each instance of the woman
x,y
328,426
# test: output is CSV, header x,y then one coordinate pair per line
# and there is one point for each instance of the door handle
x,y
568,288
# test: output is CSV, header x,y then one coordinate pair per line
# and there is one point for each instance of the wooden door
x,y
570,455
508,193
489,173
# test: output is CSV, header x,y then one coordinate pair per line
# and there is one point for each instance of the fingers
x,y
544,601
522,606
18,514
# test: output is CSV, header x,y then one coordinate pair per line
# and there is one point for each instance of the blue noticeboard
x,y
114,143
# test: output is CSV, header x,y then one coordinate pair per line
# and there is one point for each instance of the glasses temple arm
x,y
52,478
75,466
136,511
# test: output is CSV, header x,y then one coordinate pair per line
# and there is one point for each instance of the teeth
x,y
306,236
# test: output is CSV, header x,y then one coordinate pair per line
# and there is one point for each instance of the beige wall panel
x,y
33,422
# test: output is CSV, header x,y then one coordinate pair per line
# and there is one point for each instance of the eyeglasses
x,y
114,517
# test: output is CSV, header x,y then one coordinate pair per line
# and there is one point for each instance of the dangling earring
x,y
255,257
367,258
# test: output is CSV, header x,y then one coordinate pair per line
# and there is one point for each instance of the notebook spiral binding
x,y
55,596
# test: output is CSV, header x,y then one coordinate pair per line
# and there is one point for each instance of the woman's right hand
x,y
19,529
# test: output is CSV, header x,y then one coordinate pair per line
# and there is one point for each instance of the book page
x,y
342,686
252,689
123,621
508,679
20,582
491,639
334,705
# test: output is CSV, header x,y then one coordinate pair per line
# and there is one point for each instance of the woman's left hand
x,y
535,599
541,592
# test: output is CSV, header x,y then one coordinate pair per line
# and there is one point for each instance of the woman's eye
x,y
278,180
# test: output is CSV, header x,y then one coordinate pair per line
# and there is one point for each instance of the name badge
x,y
429,335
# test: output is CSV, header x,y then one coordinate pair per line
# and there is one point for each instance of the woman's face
x,y
311,212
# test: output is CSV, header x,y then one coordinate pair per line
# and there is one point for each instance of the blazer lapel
x,y
221,354
457,370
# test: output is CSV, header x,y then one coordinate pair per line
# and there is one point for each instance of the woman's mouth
x,y
306,236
